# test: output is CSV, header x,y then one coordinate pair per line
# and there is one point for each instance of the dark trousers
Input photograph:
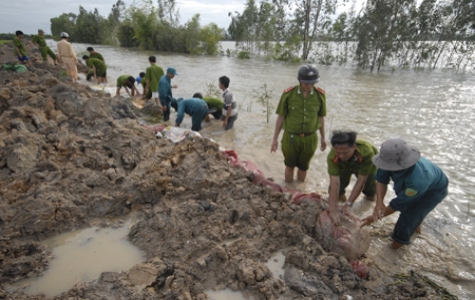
x,y
166,113
198,117
369,188
414,214
231,121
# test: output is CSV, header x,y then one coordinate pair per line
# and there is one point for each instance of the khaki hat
x,y
396,155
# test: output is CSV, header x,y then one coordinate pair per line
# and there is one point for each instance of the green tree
x,y
310,19
89,27
210,35
113,23
64,23
243,27
192,35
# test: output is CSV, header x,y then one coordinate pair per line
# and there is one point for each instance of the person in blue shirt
x,y
165,92
196,107
419,185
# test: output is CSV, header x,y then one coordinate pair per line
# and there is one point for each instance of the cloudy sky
x,y
30,15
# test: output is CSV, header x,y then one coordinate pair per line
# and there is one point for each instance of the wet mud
x,y
71,158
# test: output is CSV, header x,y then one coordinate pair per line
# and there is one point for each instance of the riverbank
x,y
72,158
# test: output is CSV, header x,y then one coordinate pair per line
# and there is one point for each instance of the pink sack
x,y
347,239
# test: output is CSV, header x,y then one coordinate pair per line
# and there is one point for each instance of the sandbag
x,y
15,67
347,239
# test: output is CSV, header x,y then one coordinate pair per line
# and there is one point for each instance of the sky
x,y
31,15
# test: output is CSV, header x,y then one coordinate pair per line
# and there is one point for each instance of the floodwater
x,y
81,256
433,110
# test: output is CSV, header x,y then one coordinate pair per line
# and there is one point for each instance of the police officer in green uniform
x,y
98,66
349,156
39,41
301,111
93,54
127,82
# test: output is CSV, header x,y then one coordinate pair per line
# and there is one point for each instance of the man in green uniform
x,y
152,77
39,41
19,48
349,156
99,68
215,106
93,54
126,81
301,111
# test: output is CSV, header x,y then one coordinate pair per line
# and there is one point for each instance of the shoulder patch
x,y
359,157
410,192
321,91
288,89
336,159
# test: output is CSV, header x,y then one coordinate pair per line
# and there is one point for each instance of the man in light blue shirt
x,y
419,185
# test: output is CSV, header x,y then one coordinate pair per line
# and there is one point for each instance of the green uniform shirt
x,y
302,114
214,103
95,62
19,44
122,80
360,163
96,55
153,73
39,40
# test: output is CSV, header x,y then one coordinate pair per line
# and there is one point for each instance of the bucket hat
x,y
396,155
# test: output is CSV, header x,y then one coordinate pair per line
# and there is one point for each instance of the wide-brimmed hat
x,y
396,155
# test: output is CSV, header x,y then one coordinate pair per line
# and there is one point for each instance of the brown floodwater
x,y
433,110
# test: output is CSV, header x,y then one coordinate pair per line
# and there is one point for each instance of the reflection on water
x,y
81,256
433,110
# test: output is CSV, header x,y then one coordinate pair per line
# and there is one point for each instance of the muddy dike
x,y
72,158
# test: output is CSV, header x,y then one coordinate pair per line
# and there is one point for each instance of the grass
x,y
2,42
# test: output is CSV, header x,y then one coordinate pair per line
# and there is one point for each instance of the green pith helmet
x,y
308,74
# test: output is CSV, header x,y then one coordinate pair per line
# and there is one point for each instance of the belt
x,y
302,134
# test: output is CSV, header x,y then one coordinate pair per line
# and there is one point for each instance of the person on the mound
x,y
127,82
19,48
420,186
301,110
40,42
67,56
349,156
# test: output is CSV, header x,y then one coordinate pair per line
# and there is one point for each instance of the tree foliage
x,y
398,33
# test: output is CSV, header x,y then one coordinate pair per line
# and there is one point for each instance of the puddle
x,y
276,264
226,294
81,256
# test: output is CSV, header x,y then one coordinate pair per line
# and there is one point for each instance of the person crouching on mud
x,y
419,185
349,156
301,111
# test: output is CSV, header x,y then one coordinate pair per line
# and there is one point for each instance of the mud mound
x,y
71,157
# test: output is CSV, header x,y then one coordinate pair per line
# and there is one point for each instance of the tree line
x,y
398,33
144,25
